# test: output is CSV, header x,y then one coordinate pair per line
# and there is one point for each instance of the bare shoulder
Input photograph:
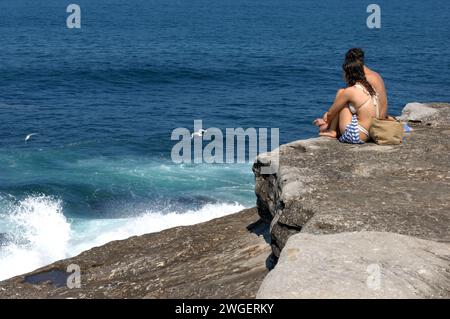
x,y
345,91
376,80
375,76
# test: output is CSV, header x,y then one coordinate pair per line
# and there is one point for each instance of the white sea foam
x,y
98,232
42,234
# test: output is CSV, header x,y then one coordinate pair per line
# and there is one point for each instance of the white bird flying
x,y
29,136
199,133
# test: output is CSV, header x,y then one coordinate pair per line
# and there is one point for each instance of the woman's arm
x,y
341,101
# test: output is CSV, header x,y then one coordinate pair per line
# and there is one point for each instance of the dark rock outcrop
x,y
222,258
322,186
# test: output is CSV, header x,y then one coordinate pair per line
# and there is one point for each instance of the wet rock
x,y
222,258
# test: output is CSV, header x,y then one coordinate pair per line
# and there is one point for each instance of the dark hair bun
x,y
355,54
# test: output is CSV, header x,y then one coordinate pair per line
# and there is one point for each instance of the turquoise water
x,y
104,100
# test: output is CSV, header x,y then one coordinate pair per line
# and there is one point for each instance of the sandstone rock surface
x,y
222,258
360,265
324,187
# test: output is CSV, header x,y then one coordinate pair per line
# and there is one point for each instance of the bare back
x,y
363,104
378,84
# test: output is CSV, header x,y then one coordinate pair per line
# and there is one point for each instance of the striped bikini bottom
x,y
351,133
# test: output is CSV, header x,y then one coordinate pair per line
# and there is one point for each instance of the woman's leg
x,y
332,129
340,123
345,118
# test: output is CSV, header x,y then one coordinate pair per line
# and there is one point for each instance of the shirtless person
x,y
372,77
352,56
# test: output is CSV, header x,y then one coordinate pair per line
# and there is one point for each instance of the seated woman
x,y
353,109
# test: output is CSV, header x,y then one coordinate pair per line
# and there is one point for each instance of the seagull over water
x,y
29,136
199,133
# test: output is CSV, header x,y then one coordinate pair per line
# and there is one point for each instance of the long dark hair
x,y
354,73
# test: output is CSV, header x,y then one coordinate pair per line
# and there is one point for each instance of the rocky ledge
x,y
222,258
359,265
346,221
322,187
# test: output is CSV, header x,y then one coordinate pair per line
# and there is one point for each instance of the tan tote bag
x,y
386,131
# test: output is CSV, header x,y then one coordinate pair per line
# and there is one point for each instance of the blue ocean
x,y
104,99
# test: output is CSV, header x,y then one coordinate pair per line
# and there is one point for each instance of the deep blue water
x,y
105,99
